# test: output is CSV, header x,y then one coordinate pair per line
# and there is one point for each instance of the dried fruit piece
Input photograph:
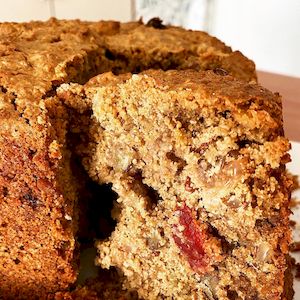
x,y
188,186
156,23
228,176
264,252
196,243
222,182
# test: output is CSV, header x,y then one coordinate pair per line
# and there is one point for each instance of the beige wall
x,y
26,10
94,9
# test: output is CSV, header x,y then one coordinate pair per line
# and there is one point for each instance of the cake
x,y
50,147
197,160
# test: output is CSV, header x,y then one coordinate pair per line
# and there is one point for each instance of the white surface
x,y
294,167
266,31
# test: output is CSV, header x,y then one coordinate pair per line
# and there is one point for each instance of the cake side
x,y
37,240
38,190
197,160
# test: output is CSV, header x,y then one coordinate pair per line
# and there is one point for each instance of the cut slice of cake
x,y
198,162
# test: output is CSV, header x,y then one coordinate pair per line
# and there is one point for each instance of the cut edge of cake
x,y
193,152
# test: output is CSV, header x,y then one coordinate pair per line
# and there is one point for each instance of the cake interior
x,y
176,160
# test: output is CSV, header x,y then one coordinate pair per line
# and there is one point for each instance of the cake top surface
x,y
204,88
36,56
172,39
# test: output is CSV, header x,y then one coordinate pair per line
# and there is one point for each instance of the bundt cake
x,y
190,164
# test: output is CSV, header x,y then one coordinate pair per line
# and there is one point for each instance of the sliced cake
x,y
198,162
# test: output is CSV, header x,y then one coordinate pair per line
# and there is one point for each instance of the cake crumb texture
x,y
197,161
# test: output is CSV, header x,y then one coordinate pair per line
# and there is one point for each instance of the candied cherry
x,y
192,241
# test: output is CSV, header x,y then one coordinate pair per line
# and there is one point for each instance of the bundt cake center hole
x,y
99,209
95,203
95,222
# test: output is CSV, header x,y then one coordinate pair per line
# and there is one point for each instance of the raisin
x,y
55,40
220,71
31,200
5,191
225,114
156,23
3,89
201,120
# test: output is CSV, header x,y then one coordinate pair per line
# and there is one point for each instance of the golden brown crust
x,y
183,49
38,191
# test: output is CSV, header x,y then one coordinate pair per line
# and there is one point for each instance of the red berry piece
x,y
199,247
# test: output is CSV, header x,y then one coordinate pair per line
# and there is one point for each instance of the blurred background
x,y
267,31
